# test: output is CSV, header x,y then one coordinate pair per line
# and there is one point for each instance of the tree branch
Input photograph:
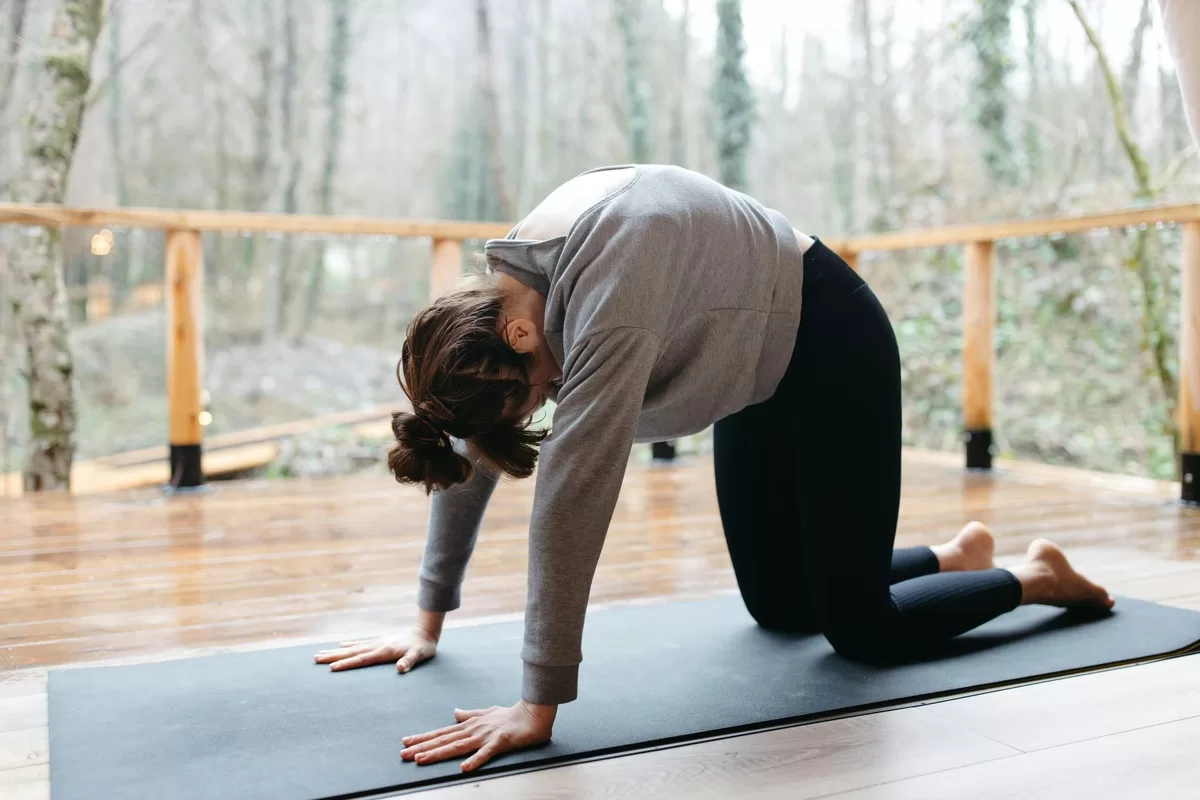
x,y
1173,168
1141,170
99,88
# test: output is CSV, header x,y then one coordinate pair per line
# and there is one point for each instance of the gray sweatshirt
x,y
670,304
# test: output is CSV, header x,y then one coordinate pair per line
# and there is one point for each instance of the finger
x,y
361,660
454,750
463,716
349,646
482,756
327,656
414,656
433,744
425,737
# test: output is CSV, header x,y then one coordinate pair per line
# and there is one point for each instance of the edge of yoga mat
x,y
505,771
614,628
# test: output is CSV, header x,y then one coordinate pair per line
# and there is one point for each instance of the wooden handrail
x,y
259,222
46,215
185,265
259,435
1015,229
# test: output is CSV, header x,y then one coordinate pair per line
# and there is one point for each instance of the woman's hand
x,y
406,651
419,644
487,733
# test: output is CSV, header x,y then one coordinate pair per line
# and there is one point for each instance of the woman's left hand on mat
x,y
486,732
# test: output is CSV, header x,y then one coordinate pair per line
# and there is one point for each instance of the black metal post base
x,y
1189,477
663,451
186,471
979,448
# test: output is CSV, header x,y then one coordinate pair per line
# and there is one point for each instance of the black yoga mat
x,y
272,724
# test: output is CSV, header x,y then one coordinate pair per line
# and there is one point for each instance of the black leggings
x,y
808,485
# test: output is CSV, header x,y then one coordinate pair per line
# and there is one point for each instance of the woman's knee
x,y
781,618
861,640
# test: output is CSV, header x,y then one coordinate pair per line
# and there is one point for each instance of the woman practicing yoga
x,y
651,302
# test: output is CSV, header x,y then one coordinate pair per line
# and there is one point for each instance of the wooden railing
x,y
184,283
184,286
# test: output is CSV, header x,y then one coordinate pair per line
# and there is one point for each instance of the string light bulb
x,y
101,244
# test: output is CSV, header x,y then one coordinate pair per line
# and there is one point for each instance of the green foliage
x,y
1153,291
1033,143
86,17
69,69
990,36
731,96
1073,381
466,190
636,91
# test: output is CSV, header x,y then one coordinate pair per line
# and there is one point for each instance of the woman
x,y
651,302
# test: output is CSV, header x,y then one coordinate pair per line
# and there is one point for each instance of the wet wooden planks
x,y
137,576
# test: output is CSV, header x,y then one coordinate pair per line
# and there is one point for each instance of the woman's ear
x,y
521,335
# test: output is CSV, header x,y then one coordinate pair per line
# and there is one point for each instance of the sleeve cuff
x,y
550,685
435,597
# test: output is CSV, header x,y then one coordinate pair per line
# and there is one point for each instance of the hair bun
x,y
423,454
418,428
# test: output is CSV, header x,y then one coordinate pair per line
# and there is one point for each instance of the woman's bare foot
x,y
1047,578
972,549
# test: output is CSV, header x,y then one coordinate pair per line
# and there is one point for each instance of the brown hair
x,y
463,380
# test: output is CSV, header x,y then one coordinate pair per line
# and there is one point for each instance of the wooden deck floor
x,y
139,576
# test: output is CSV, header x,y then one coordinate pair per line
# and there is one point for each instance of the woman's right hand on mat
x,y
406,651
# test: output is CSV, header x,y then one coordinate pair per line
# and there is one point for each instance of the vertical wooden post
x,y
99,300
447,266
185,355
979,316
1189,365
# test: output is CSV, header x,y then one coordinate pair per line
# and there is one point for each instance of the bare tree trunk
x,y
1141,170
733,97
52,125
262,107
223,198
339,47
9,342
1033,145
491,102
1155,331
866,182
1132,79
279,270
679,148
256,187
531,149
783,63
16,17
637,105
888,128
1175,133
585,89
120,255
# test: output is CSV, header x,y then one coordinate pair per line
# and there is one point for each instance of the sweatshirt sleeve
x,y
582,464
454,518
1181,26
